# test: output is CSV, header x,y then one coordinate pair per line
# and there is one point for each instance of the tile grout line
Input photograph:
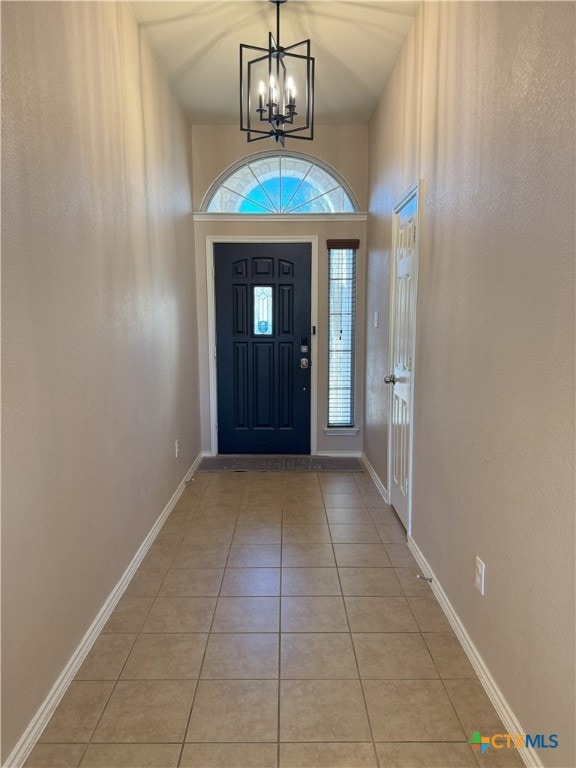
x,y
356,657
244,490
208,635
447,692
356,661
440,677
117,680
279,725
421,633
197,686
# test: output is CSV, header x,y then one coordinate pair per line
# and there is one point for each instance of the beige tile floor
x,y
276,622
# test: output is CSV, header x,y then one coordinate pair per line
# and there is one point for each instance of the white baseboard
x,y
20,753
509,719
338,454
377,482
195,465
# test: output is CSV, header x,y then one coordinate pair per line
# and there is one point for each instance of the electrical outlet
x,y
176,447
376,319
480,575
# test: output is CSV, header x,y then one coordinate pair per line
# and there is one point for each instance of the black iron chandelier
x,y
277,89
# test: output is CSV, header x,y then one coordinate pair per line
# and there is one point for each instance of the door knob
x,y
304,362
390,379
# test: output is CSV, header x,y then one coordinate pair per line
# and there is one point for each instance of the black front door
x,y
263,347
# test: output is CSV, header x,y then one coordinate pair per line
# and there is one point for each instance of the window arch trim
x,y
338,182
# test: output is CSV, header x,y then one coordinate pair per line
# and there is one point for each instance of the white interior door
x,y
402,337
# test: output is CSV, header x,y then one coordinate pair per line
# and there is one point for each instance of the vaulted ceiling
x,y
355,44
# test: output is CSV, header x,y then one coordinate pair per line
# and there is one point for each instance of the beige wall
x,y
343,147
480,107
99,326
216,148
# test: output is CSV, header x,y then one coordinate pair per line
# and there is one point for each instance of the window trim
x,y
246,161
341,428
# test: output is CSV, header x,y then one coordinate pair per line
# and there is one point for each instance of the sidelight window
x,y
341,331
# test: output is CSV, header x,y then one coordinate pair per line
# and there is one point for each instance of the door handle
x,y
304,362
390,379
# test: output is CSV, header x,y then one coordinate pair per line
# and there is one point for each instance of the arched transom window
x,y
285,183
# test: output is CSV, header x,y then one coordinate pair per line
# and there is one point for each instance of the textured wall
x,y
343,147
480,106
99,328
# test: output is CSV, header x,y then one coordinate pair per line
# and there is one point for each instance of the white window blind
x,y
341,331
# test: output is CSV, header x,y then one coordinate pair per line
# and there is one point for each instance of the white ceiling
x,y
355,44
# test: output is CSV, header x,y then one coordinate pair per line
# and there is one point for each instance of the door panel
x,y
403,318
263,309
263,385
241,389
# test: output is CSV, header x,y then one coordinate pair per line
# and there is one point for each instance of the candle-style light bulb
x,y
261,92
291,92
273,91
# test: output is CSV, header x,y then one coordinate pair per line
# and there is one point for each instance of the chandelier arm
x,y
277,100
278,25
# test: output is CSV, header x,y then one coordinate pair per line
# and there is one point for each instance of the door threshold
x,y
279,463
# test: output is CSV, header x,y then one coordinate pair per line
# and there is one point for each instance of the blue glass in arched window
x,y
280,184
